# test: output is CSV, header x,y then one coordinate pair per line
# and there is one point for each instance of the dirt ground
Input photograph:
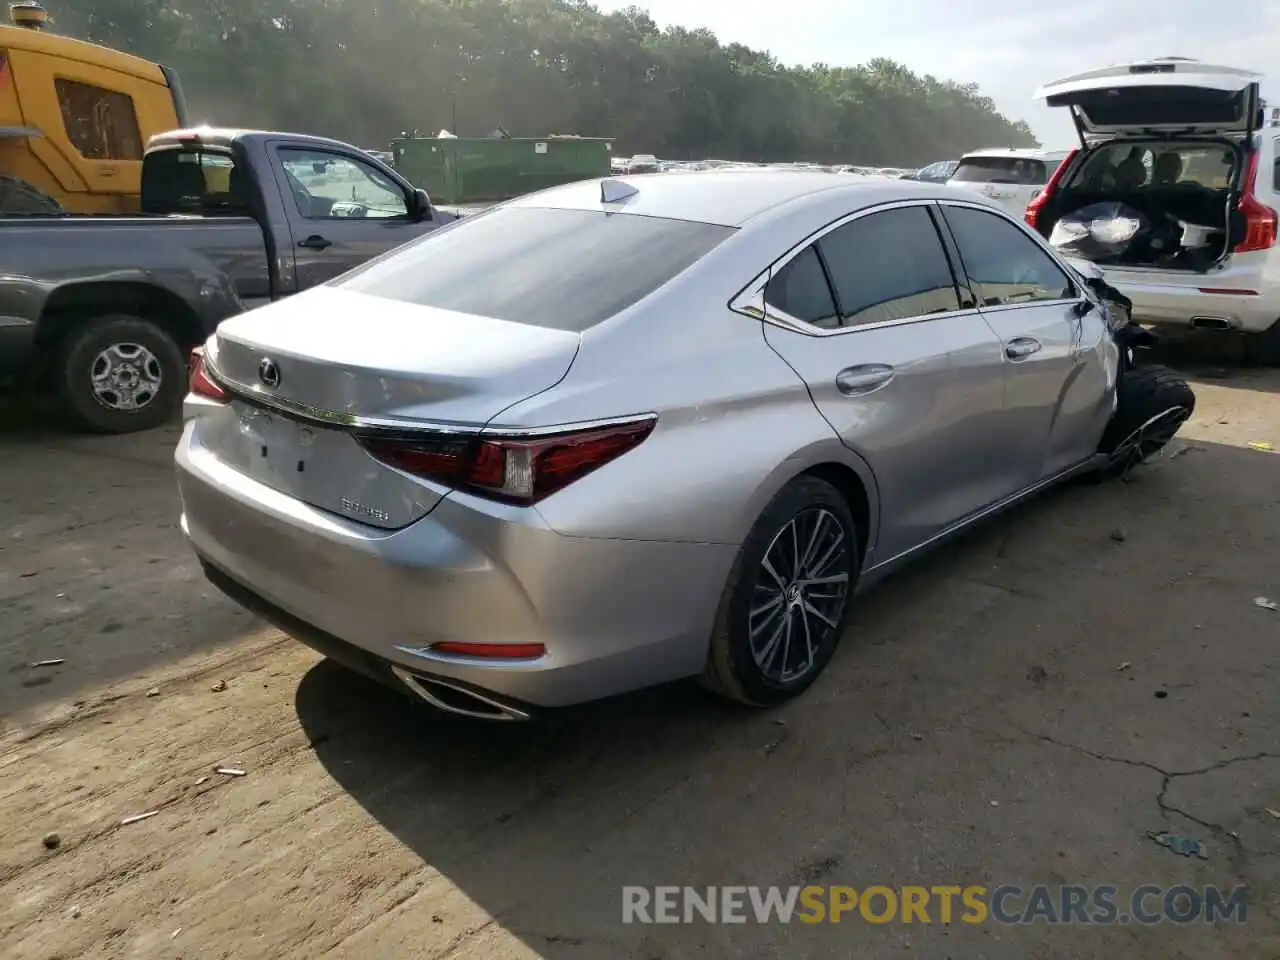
x,y
1024,706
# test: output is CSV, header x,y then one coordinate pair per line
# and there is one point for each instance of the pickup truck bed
x,y
106,309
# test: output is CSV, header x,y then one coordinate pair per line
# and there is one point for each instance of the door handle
x,y
315,242
863,379
1019,348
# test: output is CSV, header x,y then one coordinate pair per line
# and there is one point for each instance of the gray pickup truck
x,y
106,309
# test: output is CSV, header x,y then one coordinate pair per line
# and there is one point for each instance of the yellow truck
x,y
75,118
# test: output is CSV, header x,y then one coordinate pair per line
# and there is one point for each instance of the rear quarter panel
x,y
735,422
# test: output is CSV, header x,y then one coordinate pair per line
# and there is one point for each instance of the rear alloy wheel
x,y
788,598
1152,403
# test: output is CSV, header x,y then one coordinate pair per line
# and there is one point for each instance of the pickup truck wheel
x,y
19,197
119,374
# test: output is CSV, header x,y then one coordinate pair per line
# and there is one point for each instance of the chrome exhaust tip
x,y
1210,323
457,699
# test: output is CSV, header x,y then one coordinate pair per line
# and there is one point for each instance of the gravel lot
x,y
1023,706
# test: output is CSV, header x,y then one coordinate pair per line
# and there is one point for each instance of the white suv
x,y
1182,143
1009,176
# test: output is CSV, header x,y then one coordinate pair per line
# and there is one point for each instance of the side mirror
x,y
421,205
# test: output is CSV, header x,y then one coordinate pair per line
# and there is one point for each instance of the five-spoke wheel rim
x,y
125,376
800,595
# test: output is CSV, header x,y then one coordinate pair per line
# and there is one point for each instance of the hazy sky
x,y
1009,49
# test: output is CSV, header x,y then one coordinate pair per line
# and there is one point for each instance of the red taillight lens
x,y
199,382
1259,219
491,651
1037,203
511,469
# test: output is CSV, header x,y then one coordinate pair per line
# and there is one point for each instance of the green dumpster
x,y
469,170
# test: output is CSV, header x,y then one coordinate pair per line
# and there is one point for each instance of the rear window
x,y
1135,166
564,269
1021,170
192,182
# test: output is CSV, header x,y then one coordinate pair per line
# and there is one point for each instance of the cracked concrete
x,y
1180,816
976,727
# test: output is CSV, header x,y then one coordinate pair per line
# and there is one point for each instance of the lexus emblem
x,y
268,373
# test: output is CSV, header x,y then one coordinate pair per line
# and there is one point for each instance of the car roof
x,y
226,136
1030,153
728,197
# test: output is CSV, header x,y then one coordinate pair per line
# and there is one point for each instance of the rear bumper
x,y
614,615
348,654
1180,300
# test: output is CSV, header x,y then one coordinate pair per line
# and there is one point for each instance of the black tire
x,y
1152,403
732,669
19,197
79,352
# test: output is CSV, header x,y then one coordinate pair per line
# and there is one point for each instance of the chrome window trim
x,y
388,426
750,300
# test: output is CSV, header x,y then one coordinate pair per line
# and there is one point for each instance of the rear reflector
x,y
199,382
520,470
491,651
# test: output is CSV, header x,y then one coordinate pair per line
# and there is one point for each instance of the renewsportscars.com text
x,y
938,904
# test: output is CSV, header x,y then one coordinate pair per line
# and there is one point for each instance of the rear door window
x,y
1026,171
1004,265
563,269
889,266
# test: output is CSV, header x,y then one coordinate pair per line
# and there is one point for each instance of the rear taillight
x,y
199,382
1042,197
519,470
1259,219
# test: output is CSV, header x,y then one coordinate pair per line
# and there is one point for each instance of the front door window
x,y
333,186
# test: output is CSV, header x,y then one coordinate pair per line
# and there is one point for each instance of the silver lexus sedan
x,y
627,431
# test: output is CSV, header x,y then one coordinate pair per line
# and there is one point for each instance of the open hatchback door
x,y
1166,97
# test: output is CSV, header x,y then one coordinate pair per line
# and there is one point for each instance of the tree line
x,y
365,70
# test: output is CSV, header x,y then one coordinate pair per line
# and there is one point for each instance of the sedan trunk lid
x,y
305,372
1170,96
